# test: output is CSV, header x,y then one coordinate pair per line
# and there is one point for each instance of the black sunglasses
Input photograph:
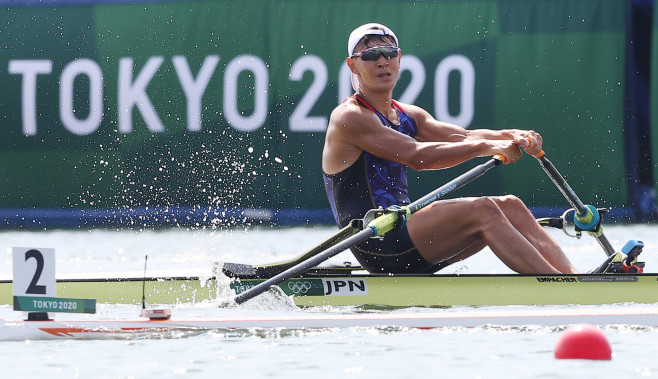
x,y
373,53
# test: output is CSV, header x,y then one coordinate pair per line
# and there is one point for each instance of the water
x,y
483,352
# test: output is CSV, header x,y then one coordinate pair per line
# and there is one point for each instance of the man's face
x,y
382,73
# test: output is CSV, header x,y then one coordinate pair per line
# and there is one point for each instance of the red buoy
x,y
583,342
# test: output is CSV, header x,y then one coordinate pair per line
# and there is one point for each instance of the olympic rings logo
x,y
299,286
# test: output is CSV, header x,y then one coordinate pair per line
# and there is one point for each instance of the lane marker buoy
x,y
583,341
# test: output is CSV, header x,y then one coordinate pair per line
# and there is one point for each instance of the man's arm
x,y
430,129
352,126
529,140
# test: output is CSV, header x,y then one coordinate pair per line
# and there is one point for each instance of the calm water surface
x,y
485,352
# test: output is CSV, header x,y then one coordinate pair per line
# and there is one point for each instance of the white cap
x,y
358,34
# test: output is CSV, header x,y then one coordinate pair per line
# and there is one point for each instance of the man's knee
x,y
510,201
512,206
488,206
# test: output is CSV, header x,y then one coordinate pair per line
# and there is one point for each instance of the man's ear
x,y
351,65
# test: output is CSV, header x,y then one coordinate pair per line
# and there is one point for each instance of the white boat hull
x,y
103,329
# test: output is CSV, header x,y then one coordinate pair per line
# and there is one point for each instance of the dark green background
x,y
553,66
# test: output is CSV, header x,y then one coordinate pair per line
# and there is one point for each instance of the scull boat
x,y
349,286
312,286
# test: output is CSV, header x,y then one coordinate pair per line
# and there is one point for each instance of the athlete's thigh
x,y
446,228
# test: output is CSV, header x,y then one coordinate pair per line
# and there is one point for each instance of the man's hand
x,y
530,141
509,149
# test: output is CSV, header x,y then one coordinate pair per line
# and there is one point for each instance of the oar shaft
x,y
306,265
572,198
454,184
562,185
606,245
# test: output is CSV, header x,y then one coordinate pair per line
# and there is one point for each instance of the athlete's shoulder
x,y
349,112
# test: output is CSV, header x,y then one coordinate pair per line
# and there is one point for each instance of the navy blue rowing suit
x,y
370,183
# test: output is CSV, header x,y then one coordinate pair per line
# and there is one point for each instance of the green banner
x,y
54,304
225,103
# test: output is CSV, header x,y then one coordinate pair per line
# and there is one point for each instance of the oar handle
x,y
540,154
501,158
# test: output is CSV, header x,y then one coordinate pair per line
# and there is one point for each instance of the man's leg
x,y
523,220
454,229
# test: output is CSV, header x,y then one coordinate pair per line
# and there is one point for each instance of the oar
x,y
377,227
267,271
587,217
